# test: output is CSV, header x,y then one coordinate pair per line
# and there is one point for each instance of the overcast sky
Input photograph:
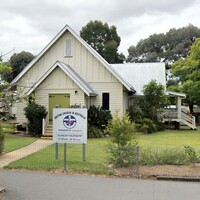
x,y
29,25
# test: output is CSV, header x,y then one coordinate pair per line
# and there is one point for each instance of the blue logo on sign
x,y
69,121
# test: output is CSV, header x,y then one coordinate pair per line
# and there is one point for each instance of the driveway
x,y
25,185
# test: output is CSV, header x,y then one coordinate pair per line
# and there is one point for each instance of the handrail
x,y
44,124
186,116
189,119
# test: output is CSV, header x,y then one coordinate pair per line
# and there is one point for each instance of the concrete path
x,y
20,153
26,185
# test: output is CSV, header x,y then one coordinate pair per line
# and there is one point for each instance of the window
x,y
68,52
105,101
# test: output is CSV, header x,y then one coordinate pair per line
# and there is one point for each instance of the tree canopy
x,y
168,47
18,61
188,71
4,72
104,40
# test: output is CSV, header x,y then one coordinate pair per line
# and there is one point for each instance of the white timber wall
x,y
85,64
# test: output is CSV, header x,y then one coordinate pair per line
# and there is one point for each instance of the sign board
x,y
70,125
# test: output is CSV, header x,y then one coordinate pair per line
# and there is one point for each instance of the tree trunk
x,y
191,106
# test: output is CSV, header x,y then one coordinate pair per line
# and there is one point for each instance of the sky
x,y
29,25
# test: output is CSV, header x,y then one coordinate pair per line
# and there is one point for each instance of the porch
x,y
172,115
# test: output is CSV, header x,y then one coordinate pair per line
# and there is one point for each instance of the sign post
x,y
70,126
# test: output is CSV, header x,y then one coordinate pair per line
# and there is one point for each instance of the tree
x,y
188,71
5,72
104,40
154,100
167,47
146,111
18,61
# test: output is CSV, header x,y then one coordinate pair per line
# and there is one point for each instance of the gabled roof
x,y
140,74
88,47
68,71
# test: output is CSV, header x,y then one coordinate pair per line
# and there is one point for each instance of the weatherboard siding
x,y
116,95
59,83
20,112
82,61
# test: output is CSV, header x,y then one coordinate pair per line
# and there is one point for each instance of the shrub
x,y
123,141
167,156
146,111
98,117
1,139
147,125
191,154
94,132
35,113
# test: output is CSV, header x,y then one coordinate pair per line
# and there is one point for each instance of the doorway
x,y
58,101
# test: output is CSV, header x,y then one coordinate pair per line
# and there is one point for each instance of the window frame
x,y
105,100
68,47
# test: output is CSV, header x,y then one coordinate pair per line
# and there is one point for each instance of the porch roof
x,y
176,94
68,71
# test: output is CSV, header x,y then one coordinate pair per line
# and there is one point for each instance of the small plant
x,y
191,154
98,117
123,142
94,132
159,156
35,113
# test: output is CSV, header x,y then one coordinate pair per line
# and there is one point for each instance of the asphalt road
x,y
22,185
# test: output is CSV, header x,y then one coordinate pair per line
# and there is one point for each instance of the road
x,y
25,185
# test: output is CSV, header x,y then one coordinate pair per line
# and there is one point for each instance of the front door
x,y
58,101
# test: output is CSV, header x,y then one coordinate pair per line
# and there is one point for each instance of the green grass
x,y
13,142
96,155
8,128
172,138
45,159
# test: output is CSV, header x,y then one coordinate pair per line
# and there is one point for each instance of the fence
x,y
134,162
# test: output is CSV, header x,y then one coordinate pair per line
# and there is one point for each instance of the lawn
x,y
13,142
172,138
96,154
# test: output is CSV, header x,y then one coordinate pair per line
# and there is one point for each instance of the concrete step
x,y
47,137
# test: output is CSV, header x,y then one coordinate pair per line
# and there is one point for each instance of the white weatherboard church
x,y
68,71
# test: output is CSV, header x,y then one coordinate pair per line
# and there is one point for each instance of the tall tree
x,y
167,47
19,60
188,71
104,40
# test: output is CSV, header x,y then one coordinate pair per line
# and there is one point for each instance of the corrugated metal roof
x,y
140,74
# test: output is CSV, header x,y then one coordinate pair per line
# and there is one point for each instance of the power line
x,y
13,50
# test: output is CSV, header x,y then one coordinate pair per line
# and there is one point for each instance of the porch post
x,y
178,106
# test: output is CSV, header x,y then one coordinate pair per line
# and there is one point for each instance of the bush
x,y
98,117
167,156
191,154
146,110
1,139
94,132
35,113
147,125
123,142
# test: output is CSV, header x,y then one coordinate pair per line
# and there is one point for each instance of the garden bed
x,y
162,170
